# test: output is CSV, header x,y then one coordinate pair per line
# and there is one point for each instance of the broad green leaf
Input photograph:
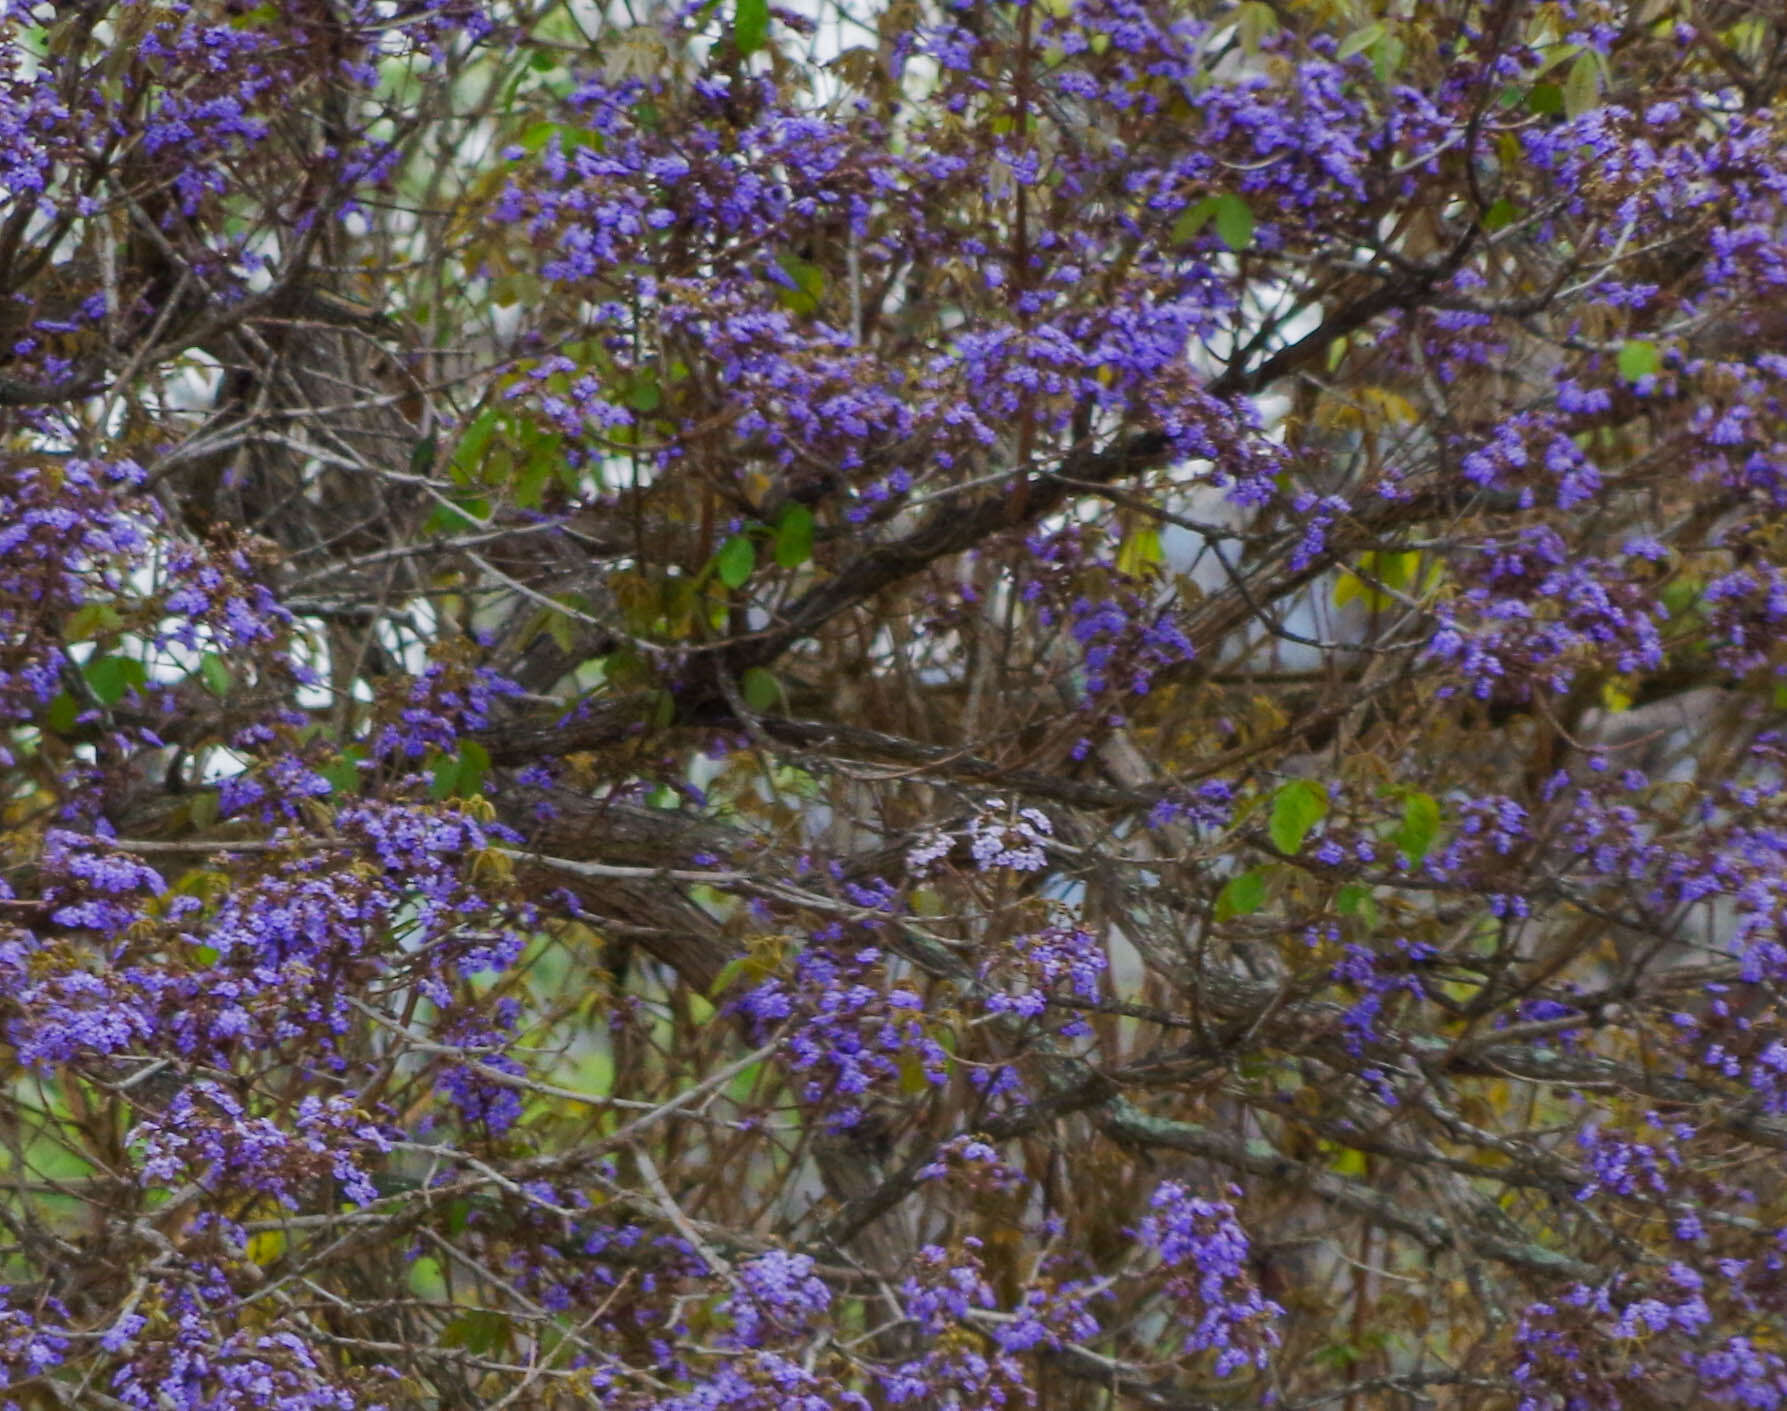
x,y
794,537
1387,56
63,711
214,674
479,1332
113,677
451,519
91,620
1296,808
1193,219
1420,826
750,25
202,810
645,395
1639,358
736,561
444,777
738,968
1234,222
474,760
913,1078
343,775
426,1279
808,285
760,689
1546,99
468,455
1255,22
1359,41
1582,87
1502,214
1242,895
1355,899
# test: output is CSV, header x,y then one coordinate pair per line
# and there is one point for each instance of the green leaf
x,y
1582,87
112,677
91,620
1296,808
343,775
445,776
736,561
474,760
479,1332
739,967
215,674
1234,222
808,289
1254,23
760,688
1420,826
426,1278
646,395
1193,219
794,537
468,455
1638,358
750,25
1387,56
449,519
1546,99
1358,42
1502,214
1242,896
1355,899
62,714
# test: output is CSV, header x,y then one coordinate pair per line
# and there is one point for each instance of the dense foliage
x,y
1070,704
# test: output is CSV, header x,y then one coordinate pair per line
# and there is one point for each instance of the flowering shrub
x,y
930,704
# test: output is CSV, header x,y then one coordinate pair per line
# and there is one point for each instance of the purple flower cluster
x,y
1204,1252
853,1031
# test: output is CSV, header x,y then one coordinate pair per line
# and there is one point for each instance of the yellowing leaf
x,y
1140,551
265,1246
1387,408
